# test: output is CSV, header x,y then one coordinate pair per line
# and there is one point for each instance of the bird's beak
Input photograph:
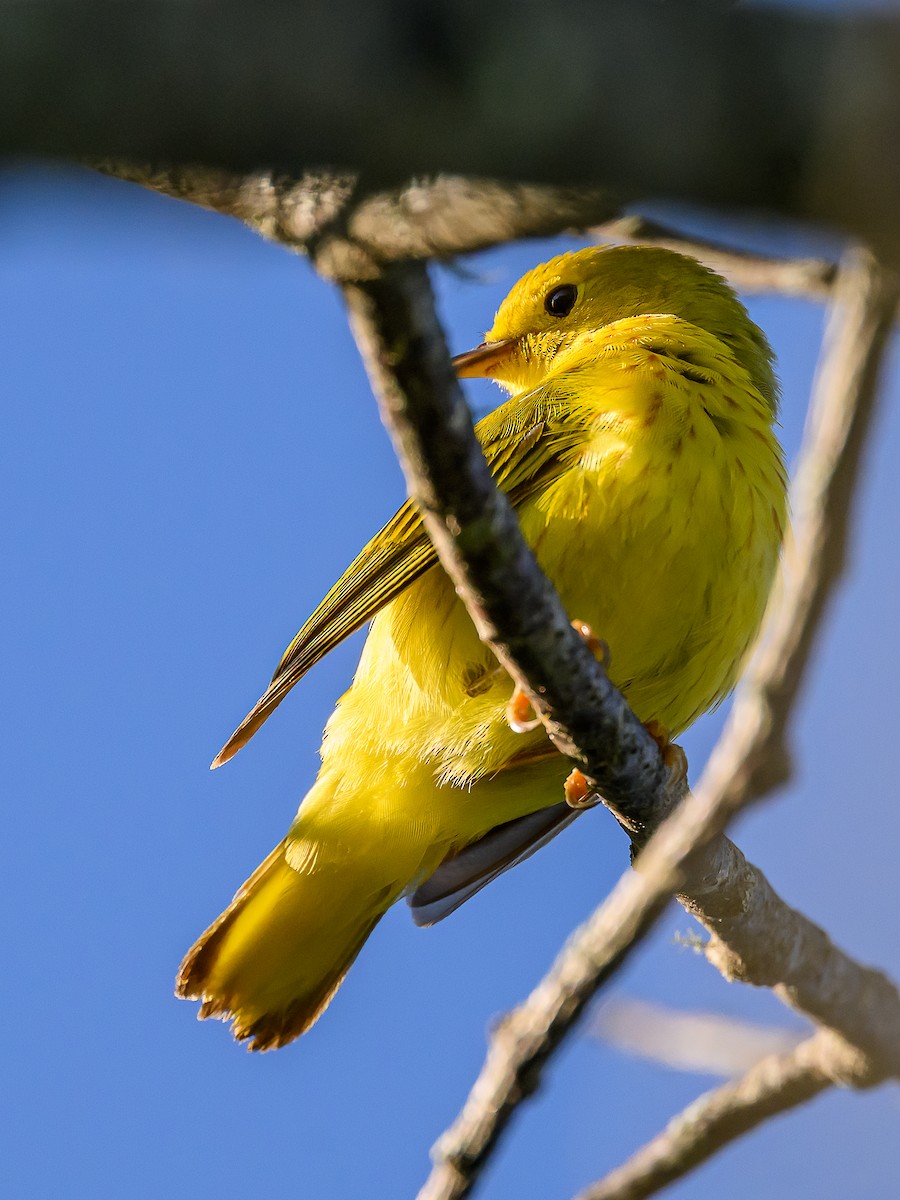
x,y
484,360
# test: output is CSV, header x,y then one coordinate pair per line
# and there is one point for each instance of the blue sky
x,y
190,457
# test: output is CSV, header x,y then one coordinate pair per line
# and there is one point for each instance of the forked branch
x,y
474,534
774,1085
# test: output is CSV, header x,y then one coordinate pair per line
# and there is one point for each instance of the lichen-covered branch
x,y
772,1086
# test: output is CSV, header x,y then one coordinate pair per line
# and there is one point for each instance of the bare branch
x,y
772,1086
811,278
755,937
476,538
352,234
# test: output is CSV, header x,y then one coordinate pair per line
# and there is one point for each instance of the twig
x,y
394,327
772,1086
811,278
750,943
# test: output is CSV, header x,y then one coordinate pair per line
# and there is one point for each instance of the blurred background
x,y
190,456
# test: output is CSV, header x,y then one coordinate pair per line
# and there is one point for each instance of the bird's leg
x,y
672,755
519,712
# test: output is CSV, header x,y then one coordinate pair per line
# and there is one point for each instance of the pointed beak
x,y
484,360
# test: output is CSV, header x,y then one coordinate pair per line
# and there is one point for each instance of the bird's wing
x,y
462,875
527,442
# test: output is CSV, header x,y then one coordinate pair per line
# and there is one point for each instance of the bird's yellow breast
x,y
639,454
663,535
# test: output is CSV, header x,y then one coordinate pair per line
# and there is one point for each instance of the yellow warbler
x,y
638,449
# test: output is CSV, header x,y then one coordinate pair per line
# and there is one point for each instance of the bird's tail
x,y
277,954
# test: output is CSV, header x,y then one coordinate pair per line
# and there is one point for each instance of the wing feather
x,y
527,442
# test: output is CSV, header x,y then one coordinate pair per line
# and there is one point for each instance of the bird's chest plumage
x,y
662,533
666,545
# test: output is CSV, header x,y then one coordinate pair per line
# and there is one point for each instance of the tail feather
x,y
275,957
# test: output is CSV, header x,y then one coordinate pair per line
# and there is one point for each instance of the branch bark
x,y
352,235
774,1085
745,944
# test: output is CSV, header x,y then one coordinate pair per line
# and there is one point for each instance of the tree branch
x,y
476,537
352,234
774,1085
515,609
789,111
751,940
811,278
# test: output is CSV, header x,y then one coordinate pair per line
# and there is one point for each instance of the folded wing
x,y
527,442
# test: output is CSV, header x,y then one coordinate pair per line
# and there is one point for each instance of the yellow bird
x,y
638,450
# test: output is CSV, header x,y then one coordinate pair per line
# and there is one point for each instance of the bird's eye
x,y
561,301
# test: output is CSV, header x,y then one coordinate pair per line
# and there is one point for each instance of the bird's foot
x,y
578,792
673,756
596,645
519,712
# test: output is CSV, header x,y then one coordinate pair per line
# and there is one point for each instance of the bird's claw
x,y
519,712
673,755
596,645
578,793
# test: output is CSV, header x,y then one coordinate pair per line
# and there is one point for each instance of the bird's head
x,y
585,290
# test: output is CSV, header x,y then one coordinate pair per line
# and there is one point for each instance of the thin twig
x,y
774,1085
810,278
434,440
800,962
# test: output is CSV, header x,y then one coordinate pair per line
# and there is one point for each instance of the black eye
x,y
561,301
